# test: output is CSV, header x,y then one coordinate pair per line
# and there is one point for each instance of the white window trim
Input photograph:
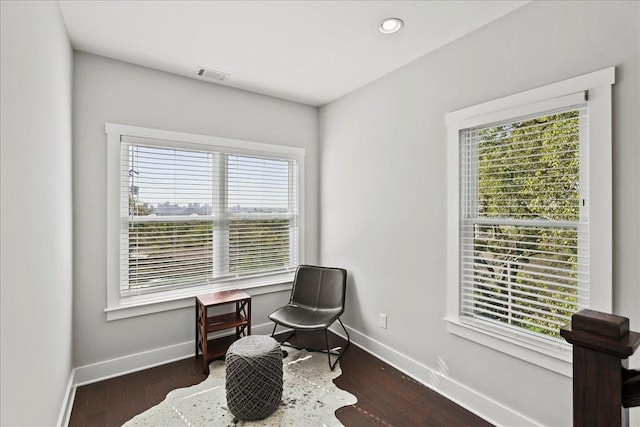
x,y
119,307
598,84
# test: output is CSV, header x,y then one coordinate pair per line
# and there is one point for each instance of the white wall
x,y
111,91
383,190
36,257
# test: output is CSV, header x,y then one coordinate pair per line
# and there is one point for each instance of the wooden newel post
x,y
602,343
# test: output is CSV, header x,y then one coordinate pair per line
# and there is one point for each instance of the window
x,y
523,223
200,213
529,200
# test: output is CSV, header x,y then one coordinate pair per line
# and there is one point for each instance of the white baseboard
x,y
67,403
131,363
471,400
136,362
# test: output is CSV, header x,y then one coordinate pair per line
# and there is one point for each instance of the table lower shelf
x,y
217,347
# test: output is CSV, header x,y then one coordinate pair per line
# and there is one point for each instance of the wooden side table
x,y
240,320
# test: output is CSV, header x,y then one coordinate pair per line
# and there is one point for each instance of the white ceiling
x,y
306,51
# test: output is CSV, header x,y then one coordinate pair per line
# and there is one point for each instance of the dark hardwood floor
x,y
386,397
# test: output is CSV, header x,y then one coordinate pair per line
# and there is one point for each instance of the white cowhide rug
x,y
309,398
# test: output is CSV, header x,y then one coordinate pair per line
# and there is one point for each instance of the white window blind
x,y
524,222
192,216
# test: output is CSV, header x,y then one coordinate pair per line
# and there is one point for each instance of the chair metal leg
x,y
329,353
326,339
275,325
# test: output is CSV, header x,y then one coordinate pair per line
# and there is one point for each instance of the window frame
x,y
119,306
598,84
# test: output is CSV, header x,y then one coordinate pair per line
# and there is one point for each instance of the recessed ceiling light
x,y
390,25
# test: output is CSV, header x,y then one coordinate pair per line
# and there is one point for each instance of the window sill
x,y
141,305
555,359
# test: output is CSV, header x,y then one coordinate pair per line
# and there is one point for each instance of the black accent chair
x,y
317,300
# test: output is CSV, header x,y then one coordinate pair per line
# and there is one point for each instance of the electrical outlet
x,y
383,320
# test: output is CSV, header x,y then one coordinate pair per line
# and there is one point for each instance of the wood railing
x,y
603,387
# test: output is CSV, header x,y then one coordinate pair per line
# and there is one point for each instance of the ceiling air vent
x,y
208,74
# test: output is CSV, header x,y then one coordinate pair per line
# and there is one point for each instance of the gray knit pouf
x,y
254,377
